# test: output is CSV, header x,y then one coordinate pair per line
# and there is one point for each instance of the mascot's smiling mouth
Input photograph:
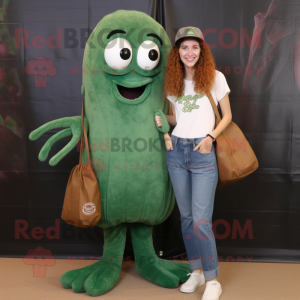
x,y
131,93
132,90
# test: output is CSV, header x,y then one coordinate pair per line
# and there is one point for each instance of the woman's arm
x,y
205,145
227,116
171,117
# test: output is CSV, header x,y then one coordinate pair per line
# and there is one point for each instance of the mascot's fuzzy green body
x,y
123,76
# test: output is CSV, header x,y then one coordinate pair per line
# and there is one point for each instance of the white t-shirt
x,y
195,116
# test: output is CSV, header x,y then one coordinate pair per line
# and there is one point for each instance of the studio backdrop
x,y
256,45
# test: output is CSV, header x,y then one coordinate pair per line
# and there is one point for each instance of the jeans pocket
x,y
207,153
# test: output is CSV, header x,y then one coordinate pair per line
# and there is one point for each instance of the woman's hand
x,y
168,142
205,145
158,121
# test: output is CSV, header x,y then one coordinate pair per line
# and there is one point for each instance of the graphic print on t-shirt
x,y
189,102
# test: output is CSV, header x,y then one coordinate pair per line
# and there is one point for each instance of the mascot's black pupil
x,y
153,55
125,53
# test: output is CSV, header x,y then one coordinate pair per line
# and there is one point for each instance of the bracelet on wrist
x,y
211,137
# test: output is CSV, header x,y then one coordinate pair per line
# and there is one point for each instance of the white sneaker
x,y
192,283
212,291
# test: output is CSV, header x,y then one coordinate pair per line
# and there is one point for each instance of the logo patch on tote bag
x,y
89,208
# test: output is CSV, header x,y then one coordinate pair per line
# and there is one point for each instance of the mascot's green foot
x,y
104,278
101,276
161,272
75,279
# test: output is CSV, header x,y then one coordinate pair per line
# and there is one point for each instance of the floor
x,y
240,281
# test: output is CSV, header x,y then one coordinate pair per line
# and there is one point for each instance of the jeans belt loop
x,y
175,141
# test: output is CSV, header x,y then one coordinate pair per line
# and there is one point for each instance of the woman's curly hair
x,y
204,75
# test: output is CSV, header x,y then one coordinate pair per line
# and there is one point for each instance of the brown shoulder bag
x,y
235,156
82,198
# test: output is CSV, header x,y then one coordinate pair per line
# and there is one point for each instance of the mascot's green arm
x,y
73,128
165,125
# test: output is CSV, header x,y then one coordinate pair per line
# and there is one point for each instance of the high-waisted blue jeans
x,y
194,176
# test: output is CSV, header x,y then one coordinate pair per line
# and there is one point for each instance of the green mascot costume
x,y
123,78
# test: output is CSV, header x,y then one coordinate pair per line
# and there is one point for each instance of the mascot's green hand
x,y
165,125
73,128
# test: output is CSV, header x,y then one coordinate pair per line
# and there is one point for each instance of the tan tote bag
x,y
82,198
235,156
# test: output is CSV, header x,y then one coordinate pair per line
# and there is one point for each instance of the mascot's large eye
x,y
118,53
148,55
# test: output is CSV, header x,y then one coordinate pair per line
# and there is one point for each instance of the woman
x,y
191,160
